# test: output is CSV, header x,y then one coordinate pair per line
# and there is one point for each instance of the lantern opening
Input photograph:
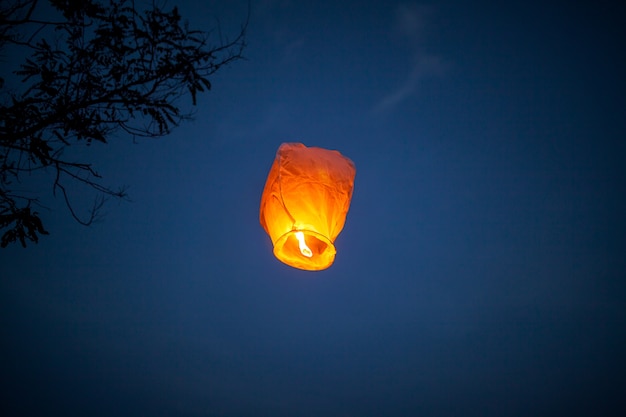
x,y
288,249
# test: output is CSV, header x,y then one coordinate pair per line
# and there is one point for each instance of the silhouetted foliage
x,y
96,68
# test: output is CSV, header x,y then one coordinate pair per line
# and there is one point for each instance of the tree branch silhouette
x,y
95,69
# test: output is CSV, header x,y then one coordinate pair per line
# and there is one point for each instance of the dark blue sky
x,y
481,270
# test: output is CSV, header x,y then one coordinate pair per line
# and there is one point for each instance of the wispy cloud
x,y
423,67
411,19
410,22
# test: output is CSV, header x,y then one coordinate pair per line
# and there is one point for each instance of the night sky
x,y
481,270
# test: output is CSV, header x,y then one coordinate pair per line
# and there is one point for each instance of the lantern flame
x,y
304,249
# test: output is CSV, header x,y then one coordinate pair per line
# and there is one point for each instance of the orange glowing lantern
x,y
305,203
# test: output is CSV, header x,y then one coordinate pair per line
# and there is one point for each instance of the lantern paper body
x,y
306,198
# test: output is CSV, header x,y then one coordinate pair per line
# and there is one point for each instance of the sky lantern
x,y
305,203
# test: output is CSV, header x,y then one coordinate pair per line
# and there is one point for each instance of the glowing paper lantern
x,y
305,202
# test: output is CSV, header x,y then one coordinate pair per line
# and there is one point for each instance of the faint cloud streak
x,y
410,22
425,66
